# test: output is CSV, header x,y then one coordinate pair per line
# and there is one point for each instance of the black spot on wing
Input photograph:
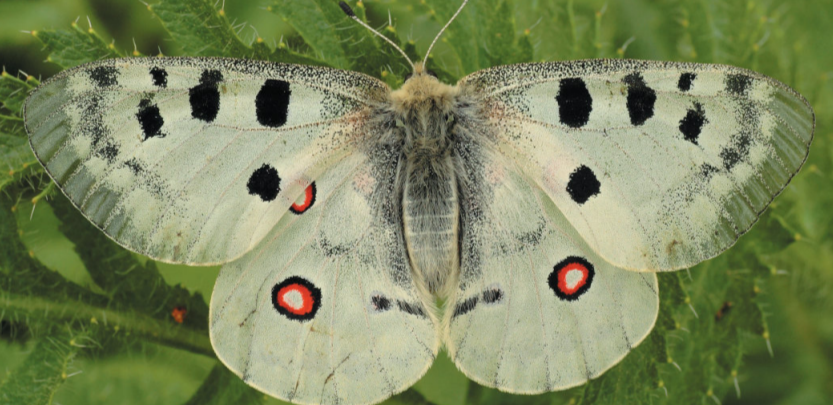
x,y
108,151
492,295
380,303
92,126
104,76
134,166
686,80
272,103
692,123
160,77
408,308
465,307
737,151
265,183
738,84
150,119
641,99
330,250
583,184
205,97
574,102
707,171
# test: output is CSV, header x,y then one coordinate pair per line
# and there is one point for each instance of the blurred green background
x,y
792,302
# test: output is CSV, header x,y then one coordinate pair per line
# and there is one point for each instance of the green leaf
x,y
17,159
335,38
200,29
43,372
13,92
224,387
75,47
105,317
316,21
462,35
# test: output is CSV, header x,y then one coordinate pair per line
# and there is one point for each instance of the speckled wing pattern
x,y
325,310
193,160
657,165
536,309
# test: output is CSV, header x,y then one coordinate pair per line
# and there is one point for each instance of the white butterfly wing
x,y
193,160
658,165
536,309
325,309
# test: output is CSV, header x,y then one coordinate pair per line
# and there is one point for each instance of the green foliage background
x,y
82,321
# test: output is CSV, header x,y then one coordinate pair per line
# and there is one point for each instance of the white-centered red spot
x,y
571,278
307,201
296,298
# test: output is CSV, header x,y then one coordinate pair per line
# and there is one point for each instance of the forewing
x,y
658,165
193,160
369,330
536,309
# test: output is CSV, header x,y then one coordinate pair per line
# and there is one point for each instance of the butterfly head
x,y
423,87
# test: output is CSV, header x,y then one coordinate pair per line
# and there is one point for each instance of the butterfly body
x,y
525,195
424,112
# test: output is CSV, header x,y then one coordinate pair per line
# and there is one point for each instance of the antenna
x,y
424,61
349,11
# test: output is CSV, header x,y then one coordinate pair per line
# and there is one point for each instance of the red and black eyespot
x,y
296,298
307,203
571,278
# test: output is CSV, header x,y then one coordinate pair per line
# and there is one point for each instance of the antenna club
x,y
347,10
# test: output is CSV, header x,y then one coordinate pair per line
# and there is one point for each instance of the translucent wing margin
x,y
193,160
325,310
658,165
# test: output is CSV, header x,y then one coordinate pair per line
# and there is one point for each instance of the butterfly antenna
x,y
349,11
441,33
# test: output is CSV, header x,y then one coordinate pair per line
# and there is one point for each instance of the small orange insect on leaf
x,y
178,313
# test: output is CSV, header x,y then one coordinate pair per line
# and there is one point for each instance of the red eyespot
x,y
178,314
309,200
296,298
571,278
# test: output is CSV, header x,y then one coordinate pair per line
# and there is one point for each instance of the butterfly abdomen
x,y
431,219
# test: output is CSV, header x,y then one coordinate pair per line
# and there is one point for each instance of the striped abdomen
x,y
430,212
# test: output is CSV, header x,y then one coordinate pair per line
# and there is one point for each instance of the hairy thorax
x,y
424,111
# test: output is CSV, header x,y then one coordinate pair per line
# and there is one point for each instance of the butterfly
x,y
536,200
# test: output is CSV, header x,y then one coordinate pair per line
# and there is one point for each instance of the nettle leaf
x,y
16,157
13,92
69,48
136,299
35,381
15,154
483,35
200,29
224,387
335,38
317,27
